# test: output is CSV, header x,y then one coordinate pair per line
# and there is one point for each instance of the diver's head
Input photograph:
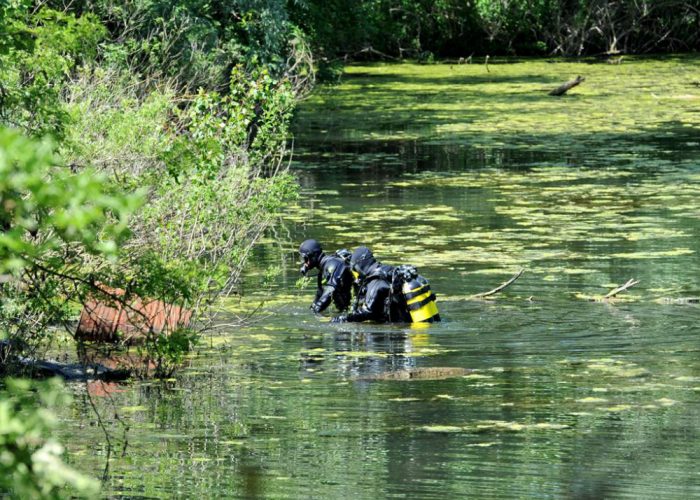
x,y
310,252
361,261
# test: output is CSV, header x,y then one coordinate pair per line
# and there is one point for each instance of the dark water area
x,y
544,391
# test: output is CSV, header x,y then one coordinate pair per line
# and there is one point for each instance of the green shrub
x,y
31,463
39,49
61,233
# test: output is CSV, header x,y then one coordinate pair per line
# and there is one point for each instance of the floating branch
x,y
679,301
630,283
565,87
498,288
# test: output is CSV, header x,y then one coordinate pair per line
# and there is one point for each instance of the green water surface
x,y
470,174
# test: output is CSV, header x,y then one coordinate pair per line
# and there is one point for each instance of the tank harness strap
x,y
417,305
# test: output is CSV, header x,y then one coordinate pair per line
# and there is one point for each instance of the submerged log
x,y
565,87
427,373
611,296
13,363
71,371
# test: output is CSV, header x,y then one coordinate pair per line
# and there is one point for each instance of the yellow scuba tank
x,y
420,300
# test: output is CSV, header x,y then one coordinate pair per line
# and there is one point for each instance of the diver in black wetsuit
x,y
334,278
374,291
388,293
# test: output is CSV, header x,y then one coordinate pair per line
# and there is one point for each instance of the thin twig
x,y
498,288
630,283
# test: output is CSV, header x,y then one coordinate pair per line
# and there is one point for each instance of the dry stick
x,y
565,87
630,283
498,288
376,52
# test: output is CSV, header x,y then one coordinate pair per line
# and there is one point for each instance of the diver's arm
x,y
371,309
323,300
356,316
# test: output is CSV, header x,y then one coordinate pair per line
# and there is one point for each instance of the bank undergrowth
x,y
143,146
181,106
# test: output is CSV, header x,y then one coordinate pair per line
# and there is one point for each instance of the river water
x,y
470,173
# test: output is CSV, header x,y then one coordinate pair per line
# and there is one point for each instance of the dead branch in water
x,y
679,301
630,283
498,288
565,87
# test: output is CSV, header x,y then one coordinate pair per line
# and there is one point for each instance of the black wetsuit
x,y
334,284
373,298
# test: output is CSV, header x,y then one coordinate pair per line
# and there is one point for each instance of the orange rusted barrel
x,y
113,321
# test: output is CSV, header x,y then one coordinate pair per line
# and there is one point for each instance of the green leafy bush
x,y
167,350
31,464
61,233
39,49
46,206
214,166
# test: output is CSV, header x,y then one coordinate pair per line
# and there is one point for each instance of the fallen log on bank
x,y
565,87
371,50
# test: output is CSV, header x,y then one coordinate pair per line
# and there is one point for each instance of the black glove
x,y
303,270
339,319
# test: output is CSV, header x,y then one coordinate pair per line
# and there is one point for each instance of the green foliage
x,y
30,462
213,165
397,27
454,28
46,207
61,233
223,176
252,118
116,128
303,282
40,48
195,43
168,350
210,166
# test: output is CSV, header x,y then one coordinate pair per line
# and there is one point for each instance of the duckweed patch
x,y
507,105
446,429
558,221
